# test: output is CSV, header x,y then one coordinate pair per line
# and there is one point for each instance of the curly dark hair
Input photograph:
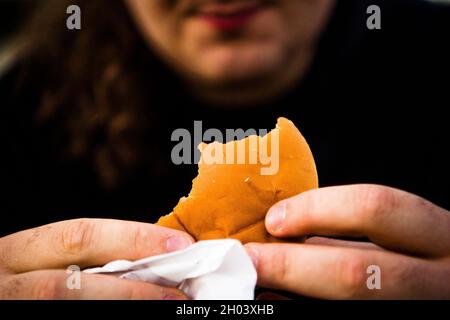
x,y
90,82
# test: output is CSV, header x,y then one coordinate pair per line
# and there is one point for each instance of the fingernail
x,y
176,243
253,254
276,217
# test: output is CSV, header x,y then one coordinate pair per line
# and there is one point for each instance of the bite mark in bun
x,y
232,200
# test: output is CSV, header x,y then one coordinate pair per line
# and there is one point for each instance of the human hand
x,y
409,240
33,262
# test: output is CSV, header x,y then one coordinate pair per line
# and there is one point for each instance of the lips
x,y
230,15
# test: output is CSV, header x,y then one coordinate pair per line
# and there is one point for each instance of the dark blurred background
x,y
11,14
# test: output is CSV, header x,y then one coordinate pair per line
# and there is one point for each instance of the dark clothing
x,y
373,108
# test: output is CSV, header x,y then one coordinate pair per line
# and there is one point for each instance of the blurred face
x,y
242,49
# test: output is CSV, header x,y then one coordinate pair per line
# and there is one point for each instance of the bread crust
x,y
231,200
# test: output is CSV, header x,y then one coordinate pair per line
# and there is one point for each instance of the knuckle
x,y
404,272
377,202
302,210
10,287
309,201
5,249
47,288
412,276
424,205
280,266
351,277
140,241
77,236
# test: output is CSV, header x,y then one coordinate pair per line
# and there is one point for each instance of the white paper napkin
x,y
207,270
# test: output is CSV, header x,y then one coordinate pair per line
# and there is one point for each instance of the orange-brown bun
x,y
231,200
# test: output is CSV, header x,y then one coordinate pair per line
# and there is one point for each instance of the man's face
x,y
228,41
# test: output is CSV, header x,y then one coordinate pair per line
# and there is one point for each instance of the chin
x,y
223,65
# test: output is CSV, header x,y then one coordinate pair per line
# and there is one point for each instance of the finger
x,y
87,242
391,218
271,296
342,243
342,273
53,285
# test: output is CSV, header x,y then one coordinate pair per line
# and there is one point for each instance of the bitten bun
x,y
232,200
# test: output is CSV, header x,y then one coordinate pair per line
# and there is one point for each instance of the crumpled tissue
x,y
207,270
